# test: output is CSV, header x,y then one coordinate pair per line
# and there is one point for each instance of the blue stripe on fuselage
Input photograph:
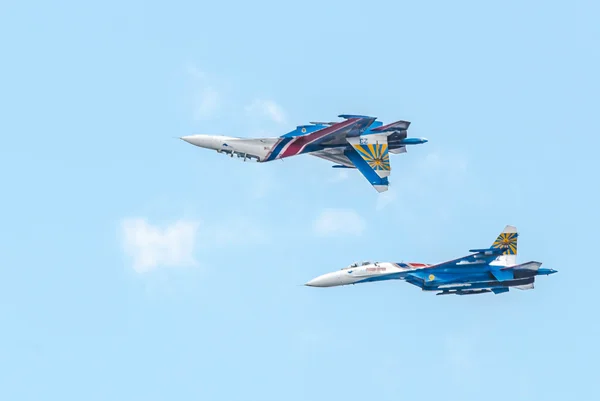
x,y
278,148
383,277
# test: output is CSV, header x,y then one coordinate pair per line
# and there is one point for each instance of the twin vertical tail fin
x,y
507,241
373,149
371,156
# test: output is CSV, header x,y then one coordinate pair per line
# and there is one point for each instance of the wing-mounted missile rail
x,y
323,123
480,253
463,292
231,153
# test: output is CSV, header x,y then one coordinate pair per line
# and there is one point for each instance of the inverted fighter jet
x,y
358,142
493,269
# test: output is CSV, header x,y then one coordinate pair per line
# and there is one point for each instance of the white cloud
x,y
257,180
268,108
431,176
206,103
451,164
342,175
151,246
339,222
238,232
386,198
207,99
261,186
196,73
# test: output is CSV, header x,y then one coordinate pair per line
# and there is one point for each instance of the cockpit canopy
x,y
357,264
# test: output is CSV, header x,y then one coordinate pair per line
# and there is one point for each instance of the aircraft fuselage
x,y
469,278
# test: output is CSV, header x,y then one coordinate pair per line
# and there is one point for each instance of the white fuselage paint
x,y
257,148
354,274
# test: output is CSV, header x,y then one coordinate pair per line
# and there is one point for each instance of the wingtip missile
x,y
413,141
322,123
487,251
348,116
546,272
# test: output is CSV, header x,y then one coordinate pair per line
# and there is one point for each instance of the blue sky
x,y
138,267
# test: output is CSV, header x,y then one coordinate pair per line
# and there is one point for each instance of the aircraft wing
x,y
474,259
332,135
446,272
367,154
335,155
360,124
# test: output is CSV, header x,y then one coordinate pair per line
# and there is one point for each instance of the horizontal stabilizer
x,y
401,149
524,287
524,266
341,166
503,274
395,126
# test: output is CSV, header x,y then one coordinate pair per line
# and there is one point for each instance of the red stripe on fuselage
x,y
418,264
272,148
296,146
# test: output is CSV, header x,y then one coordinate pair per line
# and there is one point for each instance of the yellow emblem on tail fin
x,y
376,155
373,149
507,240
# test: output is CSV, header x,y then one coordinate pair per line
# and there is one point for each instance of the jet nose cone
x,y
320,281
198,140
187,139
203,141
425,140
326,280
313,283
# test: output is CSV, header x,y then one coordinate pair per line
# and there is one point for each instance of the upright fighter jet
x,y
358,142
492,269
